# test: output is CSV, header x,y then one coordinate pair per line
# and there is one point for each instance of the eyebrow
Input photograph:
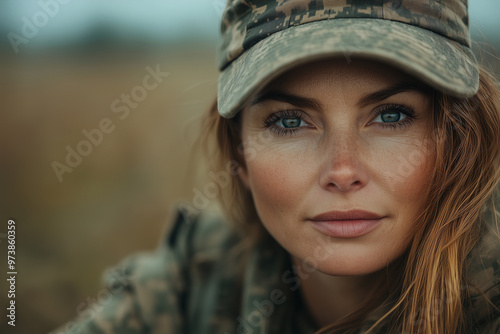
x,y
303,102
390,91
298,101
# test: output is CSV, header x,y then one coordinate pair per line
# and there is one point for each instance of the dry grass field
x,y
118,198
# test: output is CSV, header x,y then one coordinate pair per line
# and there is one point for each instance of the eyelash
x,y
409,112
269,122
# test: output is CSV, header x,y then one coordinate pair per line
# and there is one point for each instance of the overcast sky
x,y
165,19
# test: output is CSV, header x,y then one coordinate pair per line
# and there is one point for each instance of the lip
x,y
346,224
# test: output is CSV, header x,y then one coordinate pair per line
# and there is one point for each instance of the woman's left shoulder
x,y
484,275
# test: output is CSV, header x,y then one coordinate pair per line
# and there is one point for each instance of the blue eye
x,y
289,122
392,116
286,122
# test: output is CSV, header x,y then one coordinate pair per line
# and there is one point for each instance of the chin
x,y
358,270
351,263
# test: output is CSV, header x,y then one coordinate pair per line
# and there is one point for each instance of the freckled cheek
x,y
405,170
278,183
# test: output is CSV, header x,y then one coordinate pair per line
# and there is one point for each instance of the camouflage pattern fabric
x,y
484,274
262,39
192,284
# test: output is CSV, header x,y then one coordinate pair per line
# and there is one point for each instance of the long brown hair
x,y
430,289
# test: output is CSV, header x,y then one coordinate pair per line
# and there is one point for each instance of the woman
x,y
357,146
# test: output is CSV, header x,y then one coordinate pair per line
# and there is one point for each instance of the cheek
x,y
406,171
278,183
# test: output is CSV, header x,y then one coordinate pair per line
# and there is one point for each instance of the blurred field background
x,y
117,201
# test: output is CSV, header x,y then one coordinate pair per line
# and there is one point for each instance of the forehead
x,y
358,74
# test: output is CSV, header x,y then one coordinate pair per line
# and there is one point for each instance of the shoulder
x,y
484,274
188,241
153,290
198,231
186,238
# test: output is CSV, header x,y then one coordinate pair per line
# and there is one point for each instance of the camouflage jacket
x,y
193,284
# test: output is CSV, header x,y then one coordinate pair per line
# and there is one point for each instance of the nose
x,y
343,169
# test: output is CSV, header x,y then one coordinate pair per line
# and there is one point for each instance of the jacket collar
x,y
270,292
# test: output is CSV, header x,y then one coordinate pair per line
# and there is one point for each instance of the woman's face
x,y
337,158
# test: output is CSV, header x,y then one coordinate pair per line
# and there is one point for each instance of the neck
x,y
330,298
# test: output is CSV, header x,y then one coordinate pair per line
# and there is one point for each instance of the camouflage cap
x,y
262,39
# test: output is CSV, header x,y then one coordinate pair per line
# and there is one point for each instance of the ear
x,y
243,175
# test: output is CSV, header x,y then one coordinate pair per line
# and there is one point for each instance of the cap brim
x,y
435,60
